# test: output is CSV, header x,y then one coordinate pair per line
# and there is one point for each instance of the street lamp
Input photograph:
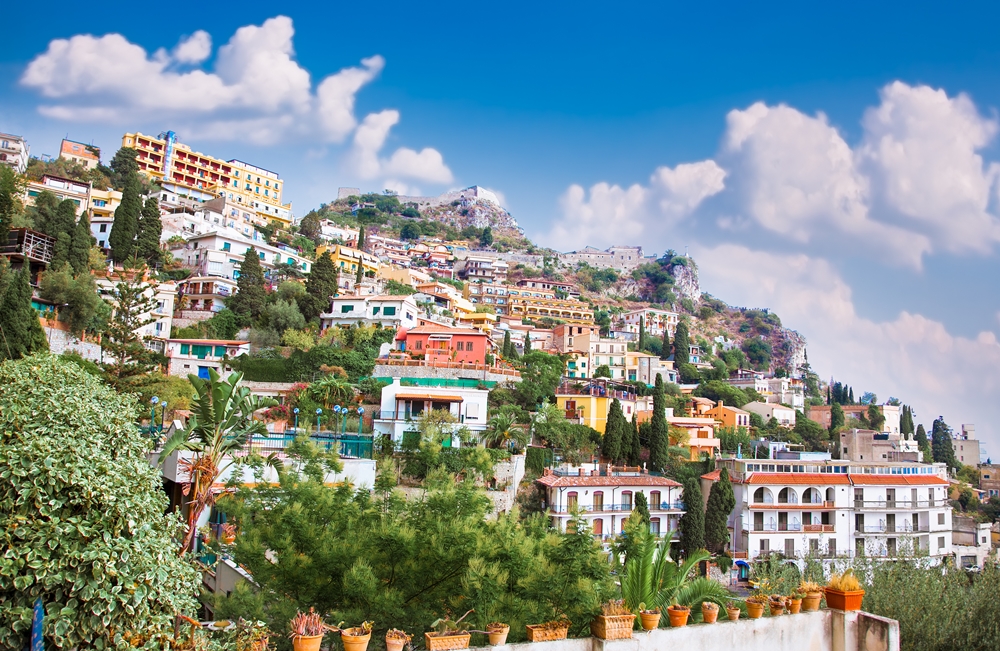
x,y
319,411
163,414
361,419
340,412
296,412
152,413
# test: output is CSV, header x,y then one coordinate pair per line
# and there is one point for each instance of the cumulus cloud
x,y
611,213
369,139
911,356
255,80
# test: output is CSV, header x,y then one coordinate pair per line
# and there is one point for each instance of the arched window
x,y
812,496
787,496
763,496
654,526
654,500
829,494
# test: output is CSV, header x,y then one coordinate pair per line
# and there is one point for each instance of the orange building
x,y
439,343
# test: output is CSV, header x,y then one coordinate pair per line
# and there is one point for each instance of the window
x,y
940,518
654,500
460,345
344,309
375,311
185,349
420,344
220,351
940,542
389,311
571,501
226,246
654,526
104,229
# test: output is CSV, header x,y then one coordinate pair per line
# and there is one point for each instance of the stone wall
x,y
61,341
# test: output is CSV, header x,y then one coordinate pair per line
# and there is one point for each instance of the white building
x,y
806,504
218,254
161,315
76,191
789,391
197,356
605,498
403,405
14,152
330,231
654,321
387,311
768,410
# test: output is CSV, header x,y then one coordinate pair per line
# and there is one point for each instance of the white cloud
x,y
425,165
911,357
612,214
194,49
920,148
255,79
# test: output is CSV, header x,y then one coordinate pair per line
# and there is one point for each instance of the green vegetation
x,y
21,333
250,298
692,523
721,502
128,359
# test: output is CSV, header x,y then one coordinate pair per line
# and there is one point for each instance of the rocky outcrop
x,y
686,281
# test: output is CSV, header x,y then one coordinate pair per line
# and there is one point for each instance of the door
x,y
782,521
859,522
599,527
789,547
627,501
654,500
598,501
890,523
890,498
913,498
859,497
891,546
571,501
654,526
203,373
915,522
758,521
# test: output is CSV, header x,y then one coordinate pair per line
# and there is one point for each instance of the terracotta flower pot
x,y
777,607
650,621
354,640
307,642
498,636
794,606
709,613
613,627
394,643
841,600
678,615
733,614
810,603
755,610
435,642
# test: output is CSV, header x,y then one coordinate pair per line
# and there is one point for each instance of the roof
x,y
555,481
729,408
430,330
401,334
704,401
897,480
428,396
798,478
374,297
712,476
214,342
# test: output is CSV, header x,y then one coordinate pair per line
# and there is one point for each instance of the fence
x,y
348,446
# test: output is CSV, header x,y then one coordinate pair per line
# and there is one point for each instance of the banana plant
x,y
653,580
219,429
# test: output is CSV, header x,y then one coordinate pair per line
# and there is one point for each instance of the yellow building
x,y
729,416
484,321
589,402
532,304
103,203
177,168
699,427
347,259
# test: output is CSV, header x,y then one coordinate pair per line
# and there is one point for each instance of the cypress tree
x,y
60,250
527,342
360,274
611,442
361,237
79,248
121,240
665,352
850,396
721,502
658,431
505,350
941,447
321,285
20,331
250,297
634,447
149,230
642,508
682,345
906,421
642,334
63,221
836,417
692,523
925,445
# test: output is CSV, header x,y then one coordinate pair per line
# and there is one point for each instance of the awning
x,y
425,396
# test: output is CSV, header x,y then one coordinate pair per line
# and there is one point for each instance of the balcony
x,y
614,508
806,506
903,528
897,504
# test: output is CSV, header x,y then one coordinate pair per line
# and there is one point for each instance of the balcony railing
x,y
818,528
614,508
792,505
897,504
884,528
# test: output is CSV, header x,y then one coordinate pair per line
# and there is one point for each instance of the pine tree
x,y
250,298
924,444
692,523
20,331
941,444
642,334
614,432
149,230
642,508
634,447
659,441
682,345
721,502
505,350
80,244
321,286
665,352
121,240
486,238
127,360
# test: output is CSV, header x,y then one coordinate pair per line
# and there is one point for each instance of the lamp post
x,y
296,412
361,419
163,414
319,411
152,414
340,413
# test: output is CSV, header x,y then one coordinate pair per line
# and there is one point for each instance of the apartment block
x,y
768,410
387,311
76,191
14,152
531,304
966,445
589,403
654,321
482,269
221,254
198,356
804,504
87,155
604,498
442,344
643,367
403,405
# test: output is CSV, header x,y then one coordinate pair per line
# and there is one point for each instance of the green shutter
x,y
185,349
220,351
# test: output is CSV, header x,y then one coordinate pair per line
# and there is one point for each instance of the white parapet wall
x,y
826,630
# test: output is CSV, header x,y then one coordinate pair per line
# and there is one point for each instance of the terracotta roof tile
x,y
897,480
712,476
614,480
798,478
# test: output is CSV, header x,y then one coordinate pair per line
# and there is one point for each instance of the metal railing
x,y
898,528
348,446
614,508
823,504
897,504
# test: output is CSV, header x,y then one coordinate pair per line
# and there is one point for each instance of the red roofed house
x,y
441,343
605,497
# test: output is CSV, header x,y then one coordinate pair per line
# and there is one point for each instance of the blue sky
x,y
838,163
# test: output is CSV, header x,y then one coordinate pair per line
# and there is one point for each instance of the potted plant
x,y
732,611
307,631
356,638
678,614
228,534
448,634
755,605
709,612
396,639
251,635
649,617
844,591
615,621
795,603
498,633
777,604
813,595
557,629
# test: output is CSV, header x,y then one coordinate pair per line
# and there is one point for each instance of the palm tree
x,y
221,425
502,430
654,580
332,390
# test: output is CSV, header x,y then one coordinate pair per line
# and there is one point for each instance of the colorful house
x,y
440,343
